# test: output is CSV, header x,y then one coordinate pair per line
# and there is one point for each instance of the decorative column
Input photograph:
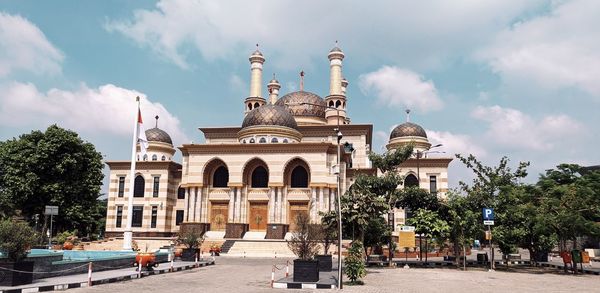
x,y
186,202
271,205
284,207
200,205
231,206
313,204
205,207
279,191
321,201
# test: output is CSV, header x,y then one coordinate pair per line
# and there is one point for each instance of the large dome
x,y
270,115
293,101
158,135
408,129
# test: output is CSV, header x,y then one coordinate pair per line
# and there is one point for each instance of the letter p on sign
x,y
488,214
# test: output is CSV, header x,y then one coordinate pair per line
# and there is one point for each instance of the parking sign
x,y
488,214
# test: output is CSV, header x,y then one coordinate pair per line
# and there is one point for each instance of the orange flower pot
x,y
146,259
68,245
178,252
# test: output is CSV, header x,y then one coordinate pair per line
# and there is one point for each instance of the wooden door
x,y
295,209
218,216
258,216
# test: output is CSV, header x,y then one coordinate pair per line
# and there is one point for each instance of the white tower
x,y
337,95
255,99
273,88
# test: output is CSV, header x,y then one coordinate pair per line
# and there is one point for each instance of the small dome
x,y
274,80
408,129
158,135
335,49
257,52
293,101
270,115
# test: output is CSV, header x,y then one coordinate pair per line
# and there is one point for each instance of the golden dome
x,y
294,102
408,129
270,115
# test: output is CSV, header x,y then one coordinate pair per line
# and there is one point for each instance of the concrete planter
x,y
306,270
10,278
189,254
325,262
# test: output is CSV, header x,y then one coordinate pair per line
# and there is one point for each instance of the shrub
x,y
191,239
354,263
305,241
15,239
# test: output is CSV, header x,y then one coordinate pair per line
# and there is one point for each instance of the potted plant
x,y
327,235
15,240
192,240
305,245
215,249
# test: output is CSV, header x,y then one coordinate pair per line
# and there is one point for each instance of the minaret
x,y
255,99
337,95
273,88
344,85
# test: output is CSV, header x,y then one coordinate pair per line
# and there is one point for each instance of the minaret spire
x,y
407,115
156,124
302,80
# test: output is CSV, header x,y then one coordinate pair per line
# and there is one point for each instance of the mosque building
x,y
250,181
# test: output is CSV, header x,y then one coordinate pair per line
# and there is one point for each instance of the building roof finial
x,y
407,115
302,80
156,117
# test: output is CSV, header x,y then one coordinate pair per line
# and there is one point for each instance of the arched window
x,y
260,177
145,157
139,186
262,140
411,181
163,158
330,103
299,178
221,177
154,157
249,106
244,141
274,140
338,104
344,105
256,105
285,140
252,140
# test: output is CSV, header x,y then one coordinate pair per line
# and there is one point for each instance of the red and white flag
x,y
141,134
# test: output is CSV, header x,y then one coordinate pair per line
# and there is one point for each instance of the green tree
x,y
16,238
464,222
429,224
355,264
54,167
377,234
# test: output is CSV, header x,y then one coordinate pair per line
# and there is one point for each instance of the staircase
x,y
227,246
257,248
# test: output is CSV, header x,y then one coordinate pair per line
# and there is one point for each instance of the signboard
x,y
407,228
488,235
406,239
488,222
51,211
488,214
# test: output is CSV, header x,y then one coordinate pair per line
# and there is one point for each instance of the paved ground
x,y
253,275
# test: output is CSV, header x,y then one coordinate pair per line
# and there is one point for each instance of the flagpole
x,y
128,235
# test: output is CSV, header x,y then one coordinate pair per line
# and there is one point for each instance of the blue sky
x,y
494,78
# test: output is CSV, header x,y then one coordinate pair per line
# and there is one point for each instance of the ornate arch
x,y
249,168
290,165
210,168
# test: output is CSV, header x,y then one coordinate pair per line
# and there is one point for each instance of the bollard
x,y
272,276
244,254
196,260
90,274
171,268
275,254
140,269
287,268
201,255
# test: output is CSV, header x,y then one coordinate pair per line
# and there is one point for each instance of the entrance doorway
x,y
296,208
218,216
258,216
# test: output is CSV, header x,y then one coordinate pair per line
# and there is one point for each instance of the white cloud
x,y
236,83
558,50
289,30
23,46
108,109
514,129
401,88
455,143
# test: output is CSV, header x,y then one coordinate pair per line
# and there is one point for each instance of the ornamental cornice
x,y
270,130
149,165
258,148
427,163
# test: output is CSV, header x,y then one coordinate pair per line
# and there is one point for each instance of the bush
x,y
305,241
191,239
65,236
354,263
15,239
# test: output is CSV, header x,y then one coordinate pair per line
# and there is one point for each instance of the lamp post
x,y
338,197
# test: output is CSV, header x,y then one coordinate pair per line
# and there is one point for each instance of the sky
x,y
491,78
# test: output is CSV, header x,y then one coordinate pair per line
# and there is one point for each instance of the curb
x,y
561,267
62,287
280,285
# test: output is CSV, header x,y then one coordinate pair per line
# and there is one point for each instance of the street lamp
x,y
338,196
